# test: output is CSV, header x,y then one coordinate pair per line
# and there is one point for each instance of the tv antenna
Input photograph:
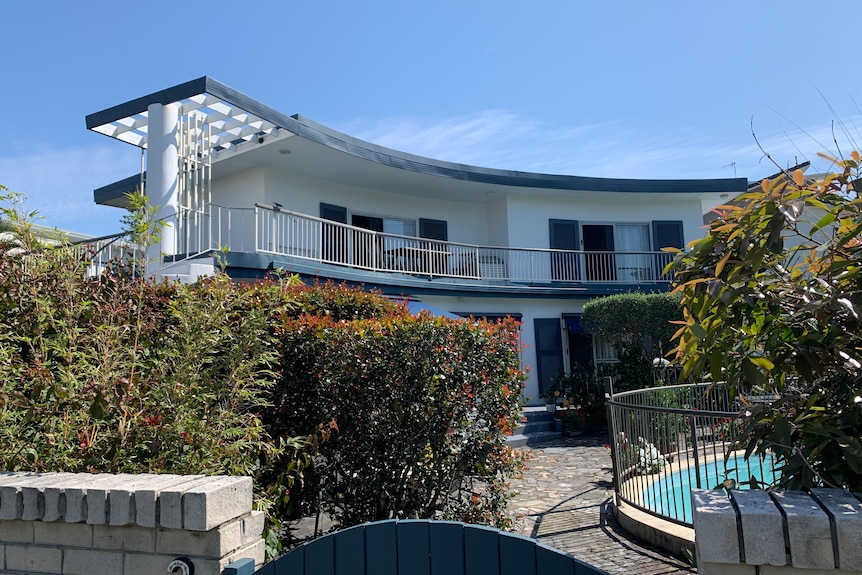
x,y
731,165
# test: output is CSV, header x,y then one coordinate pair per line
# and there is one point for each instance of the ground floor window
x,y
604,351
586,350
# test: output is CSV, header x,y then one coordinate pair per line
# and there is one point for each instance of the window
x,y
616,238
372,251
604,351
396,226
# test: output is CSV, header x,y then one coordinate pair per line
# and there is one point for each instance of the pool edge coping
x,y
667,535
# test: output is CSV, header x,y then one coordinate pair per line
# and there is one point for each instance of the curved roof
x,y
237,119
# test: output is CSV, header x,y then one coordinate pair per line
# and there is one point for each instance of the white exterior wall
x,y
236,228
529,309
467,221
510,220
241,190
498,222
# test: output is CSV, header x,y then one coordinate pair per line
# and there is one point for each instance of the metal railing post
x,y
610,414
694,448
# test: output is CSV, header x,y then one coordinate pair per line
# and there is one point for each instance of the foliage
x,y
639,326
636,321
572,417
581,389
631,370
419,405
400,416
339,302
116,374
664,427
640,456
771,297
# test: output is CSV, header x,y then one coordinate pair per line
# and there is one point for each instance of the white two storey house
x,y
283,192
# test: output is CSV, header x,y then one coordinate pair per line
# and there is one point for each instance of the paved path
x,y
564,501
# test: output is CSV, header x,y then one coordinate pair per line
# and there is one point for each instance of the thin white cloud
x,y
59,184
506,140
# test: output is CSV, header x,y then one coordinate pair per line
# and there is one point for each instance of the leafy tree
x,y
639,326
771,299
121,374
420,407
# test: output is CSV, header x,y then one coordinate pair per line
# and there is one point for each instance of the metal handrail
x,y
284,232
666,440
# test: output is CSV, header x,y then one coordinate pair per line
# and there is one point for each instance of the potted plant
x,y
552,396
581,389
574,420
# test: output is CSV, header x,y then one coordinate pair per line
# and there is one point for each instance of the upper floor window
x,y
388,225
611,252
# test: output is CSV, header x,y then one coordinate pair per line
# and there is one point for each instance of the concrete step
x,y
520,440
534,427
187,271
537,426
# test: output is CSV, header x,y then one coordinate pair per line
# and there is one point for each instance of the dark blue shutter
x,y
434,229
667,234
333,213
564,236
549,350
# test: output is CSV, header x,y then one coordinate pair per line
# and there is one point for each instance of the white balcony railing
x,y
114,252
264,229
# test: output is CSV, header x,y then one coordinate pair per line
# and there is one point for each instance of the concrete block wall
x,y
85,524
777,533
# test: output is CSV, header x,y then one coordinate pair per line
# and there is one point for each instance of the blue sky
x,y
663,89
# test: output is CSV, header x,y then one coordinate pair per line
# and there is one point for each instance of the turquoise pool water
x,y
671,495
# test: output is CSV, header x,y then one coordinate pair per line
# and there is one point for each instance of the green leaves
x,y
421,403
780,312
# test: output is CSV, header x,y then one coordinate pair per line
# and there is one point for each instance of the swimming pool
x,y
671,495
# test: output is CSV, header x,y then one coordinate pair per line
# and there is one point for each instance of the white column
x,y
162,177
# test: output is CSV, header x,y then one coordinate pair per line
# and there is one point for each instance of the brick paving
x,y
564,500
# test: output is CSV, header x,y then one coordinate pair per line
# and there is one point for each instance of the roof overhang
x,y
233,117
240,124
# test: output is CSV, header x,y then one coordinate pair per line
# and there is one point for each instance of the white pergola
x,y
232,117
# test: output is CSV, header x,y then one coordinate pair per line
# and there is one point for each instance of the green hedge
x,y
118,374
419,404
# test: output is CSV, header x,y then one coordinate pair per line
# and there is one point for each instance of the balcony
x,y
278,232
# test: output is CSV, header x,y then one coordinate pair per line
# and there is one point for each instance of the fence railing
x,y
110,251
276,231
668,440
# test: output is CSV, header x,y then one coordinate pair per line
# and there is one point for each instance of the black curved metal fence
x,y
668,440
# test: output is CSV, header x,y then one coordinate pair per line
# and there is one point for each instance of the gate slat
x,y
518,556
481,550
380,548
550,560
414,548
320,557
447,548
293,563
350,551
426,547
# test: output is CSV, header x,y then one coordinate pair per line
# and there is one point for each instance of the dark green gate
x,y
424,547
